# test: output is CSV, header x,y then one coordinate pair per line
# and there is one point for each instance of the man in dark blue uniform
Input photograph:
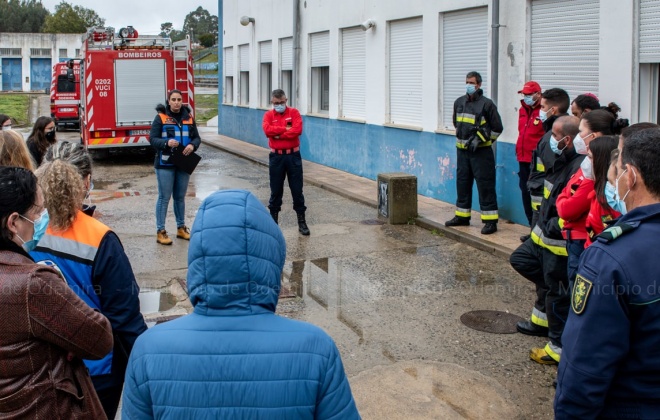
x,y
610,365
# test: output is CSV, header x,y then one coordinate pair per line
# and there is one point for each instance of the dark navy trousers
x,y
289,166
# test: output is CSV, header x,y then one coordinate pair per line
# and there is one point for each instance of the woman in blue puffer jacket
x,y
233,357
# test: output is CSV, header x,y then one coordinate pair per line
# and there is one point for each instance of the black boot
x,y
302,225
275,216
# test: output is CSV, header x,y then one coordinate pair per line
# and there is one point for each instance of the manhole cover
x,y
495,322
372,222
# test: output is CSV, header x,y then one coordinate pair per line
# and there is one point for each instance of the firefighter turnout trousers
x,y
548,272
479,166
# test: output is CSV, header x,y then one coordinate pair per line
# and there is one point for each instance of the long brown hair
x,y
601,152
38,136
13,151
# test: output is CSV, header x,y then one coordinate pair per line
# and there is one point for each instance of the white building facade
x,y
27,59
376,80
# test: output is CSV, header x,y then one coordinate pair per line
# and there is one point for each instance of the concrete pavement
x,y
432,213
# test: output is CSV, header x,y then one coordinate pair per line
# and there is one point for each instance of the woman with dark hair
x,y
603,152
92,261
41,138
46,328
600,122
583,104
174,127
5,122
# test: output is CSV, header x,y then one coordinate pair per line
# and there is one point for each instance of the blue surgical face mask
x,y
529,100
543,115
613,199
470,89
280,108
40,225
622,203
554,145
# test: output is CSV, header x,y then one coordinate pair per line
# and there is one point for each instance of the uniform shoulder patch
x,y
581,290
613,232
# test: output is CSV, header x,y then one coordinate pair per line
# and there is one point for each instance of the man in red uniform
x,y
530,131
283,126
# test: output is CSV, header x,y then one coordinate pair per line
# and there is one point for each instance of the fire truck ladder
x,y
181,81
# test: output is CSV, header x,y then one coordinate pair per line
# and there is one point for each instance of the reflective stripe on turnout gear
x,y
463,213
556,246
489,215
539,318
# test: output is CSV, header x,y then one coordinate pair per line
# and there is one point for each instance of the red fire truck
x,y
65,94
124,77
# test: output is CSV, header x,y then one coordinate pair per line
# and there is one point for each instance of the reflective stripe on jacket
x,y
467,110
172,130
73,252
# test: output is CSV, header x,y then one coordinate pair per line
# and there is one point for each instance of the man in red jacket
x,y
283,126
530,131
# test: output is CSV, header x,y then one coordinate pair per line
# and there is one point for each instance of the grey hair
x,y
72,153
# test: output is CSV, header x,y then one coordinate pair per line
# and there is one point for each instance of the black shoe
x,y
527,327
302,225
524,238
458,221
489,228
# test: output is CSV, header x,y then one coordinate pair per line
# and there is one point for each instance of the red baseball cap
x,y
530,87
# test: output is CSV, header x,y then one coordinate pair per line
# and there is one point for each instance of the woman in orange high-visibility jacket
x,y
173,127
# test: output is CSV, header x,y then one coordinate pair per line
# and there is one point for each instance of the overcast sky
x,y
144,15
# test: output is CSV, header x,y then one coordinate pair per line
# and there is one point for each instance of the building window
x,y
286,78
229,90
77,52
320,90
228,69
320,66
405,75
353,73
457,60
286,69
63,53
244,88
265,73
10,52
244,75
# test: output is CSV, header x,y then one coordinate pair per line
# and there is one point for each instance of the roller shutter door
x,y
405,40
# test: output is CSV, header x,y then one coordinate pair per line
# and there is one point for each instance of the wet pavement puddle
x,y
154,303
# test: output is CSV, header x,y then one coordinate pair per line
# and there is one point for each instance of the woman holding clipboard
x,y
173,131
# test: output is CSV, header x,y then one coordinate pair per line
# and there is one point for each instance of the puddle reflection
x,y
203,185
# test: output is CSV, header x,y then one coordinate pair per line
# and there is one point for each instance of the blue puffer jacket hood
x,y
235,257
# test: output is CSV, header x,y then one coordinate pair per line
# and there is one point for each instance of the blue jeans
x,y
575,248
171,183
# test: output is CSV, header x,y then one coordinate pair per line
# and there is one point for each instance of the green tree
x,y
71,19
25,16
167,30
207,40
200,22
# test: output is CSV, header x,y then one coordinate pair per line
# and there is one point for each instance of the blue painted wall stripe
x,y
367,150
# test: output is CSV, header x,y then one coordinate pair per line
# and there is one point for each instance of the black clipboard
x,y
183,162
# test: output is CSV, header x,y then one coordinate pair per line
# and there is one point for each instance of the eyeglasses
x,y
279,103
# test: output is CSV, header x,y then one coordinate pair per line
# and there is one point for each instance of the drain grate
x,y
495,322
372,222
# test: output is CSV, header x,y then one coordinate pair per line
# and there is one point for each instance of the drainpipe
x,y
221,51
295,80
495,49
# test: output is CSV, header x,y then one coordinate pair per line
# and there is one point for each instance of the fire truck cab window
x,y
64,85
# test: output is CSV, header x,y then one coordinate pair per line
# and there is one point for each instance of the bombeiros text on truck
x,y
123,77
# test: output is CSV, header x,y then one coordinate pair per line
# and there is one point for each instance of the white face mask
x,y
587,170
580,144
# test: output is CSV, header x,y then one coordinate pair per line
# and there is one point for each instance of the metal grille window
x,y
353,73
77,52
405,78
40,52
10,52
566,58
63,53
464,45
